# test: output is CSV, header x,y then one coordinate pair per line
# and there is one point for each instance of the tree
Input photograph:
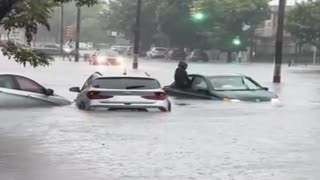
x,y
120,17
303,22
174,19
228,20
28,15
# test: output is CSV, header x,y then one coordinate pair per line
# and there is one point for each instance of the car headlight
x,y
275,100
231,100
67,50
100,59
120,60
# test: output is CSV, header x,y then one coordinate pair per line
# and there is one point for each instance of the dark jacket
x,y
181,79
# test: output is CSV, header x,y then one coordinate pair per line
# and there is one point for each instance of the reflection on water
x,y
199,139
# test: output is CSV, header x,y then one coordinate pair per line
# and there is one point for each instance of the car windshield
x,y
109,53
126,83
160,49
233,83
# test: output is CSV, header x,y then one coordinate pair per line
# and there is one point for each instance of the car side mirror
x,y
49,92
265,88
74,89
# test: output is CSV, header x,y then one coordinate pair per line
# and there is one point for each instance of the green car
x,y
223,87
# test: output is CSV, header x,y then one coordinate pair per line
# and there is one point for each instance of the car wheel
x,y
162,109
82,106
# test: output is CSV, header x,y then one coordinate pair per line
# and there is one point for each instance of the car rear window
x,y
126,83
160,49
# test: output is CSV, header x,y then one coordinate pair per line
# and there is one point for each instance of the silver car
x,y
20,91
121,92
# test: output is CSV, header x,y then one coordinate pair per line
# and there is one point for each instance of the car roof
x,y
220,75
128,74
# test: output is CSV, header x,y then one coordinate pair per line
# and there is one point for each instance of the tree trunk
x,y
229,57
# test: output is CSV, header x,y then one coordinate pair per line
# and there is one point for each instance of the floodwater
x,y
198,140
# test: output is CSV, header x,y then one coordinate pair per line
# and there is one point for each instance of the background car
x,y
121,92
176,54
223,87
198,55
157,52
107,57
50,49
19,91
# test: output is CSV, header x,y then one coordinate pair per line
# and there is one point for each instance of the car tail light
x,y
157,96
97,95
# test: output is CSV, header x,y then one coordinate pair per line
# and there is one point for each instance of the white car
x,y
157,52
19,91
107,57
121,92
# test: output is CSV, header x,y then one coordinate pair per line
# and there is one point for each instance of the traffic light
x,y
236,41
199,16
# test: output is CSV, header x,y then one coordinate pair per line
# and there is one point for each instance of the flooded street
x,y
197,140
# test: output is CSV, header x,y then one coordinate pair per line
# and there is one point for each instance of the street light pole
x,y
77,34
279,42
61,28
137,35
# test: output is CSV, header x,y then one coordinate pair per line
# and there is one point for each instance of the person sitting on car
x,y
181,76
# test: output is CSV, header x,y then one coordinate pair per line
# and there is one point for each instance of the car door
x,y
200,88
8,93
33,92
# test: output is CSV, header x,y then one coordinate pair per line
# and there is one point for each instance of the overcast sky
x,y
289,2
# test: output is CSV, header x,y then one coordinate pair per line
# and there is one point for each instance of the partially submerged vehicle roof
x,y
220,75
135,74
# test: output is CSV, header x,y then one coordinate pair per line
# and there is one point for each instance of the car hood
x,y
250,95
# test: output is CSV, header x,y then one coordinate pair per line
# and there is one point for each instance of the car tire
x,y
82,106
168,109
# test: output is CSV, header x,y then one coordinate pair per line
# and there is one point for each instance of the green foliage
x,y
303,22
227,19
28,15
174,19
120,17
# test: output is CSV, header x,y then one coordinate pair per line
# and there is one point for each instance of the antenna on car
x,y
125,71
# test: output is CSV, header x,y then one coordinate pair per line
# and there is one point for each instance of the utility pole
x,y
61,28
137,35
77,34
279,42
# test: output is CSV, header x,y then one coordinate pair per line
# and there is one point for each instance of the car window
x,y
126,83
231,83
251,85
29,85
160,49
6,81
110,53
199,83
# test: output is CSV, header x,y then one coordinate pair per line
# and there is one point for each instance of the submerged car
x,y
121,92
108,57
20,91
223,87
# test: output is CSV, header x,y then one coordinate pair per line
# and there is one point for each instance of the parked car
x,y
157,52
121,92
198,55
176,54
50,49
20,91
223,87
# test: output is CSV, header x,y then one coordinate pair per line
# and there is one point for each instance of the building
x,y
266,36
16,36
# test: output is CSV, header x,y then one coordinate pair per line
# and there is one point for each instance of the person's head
x,y
183,65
